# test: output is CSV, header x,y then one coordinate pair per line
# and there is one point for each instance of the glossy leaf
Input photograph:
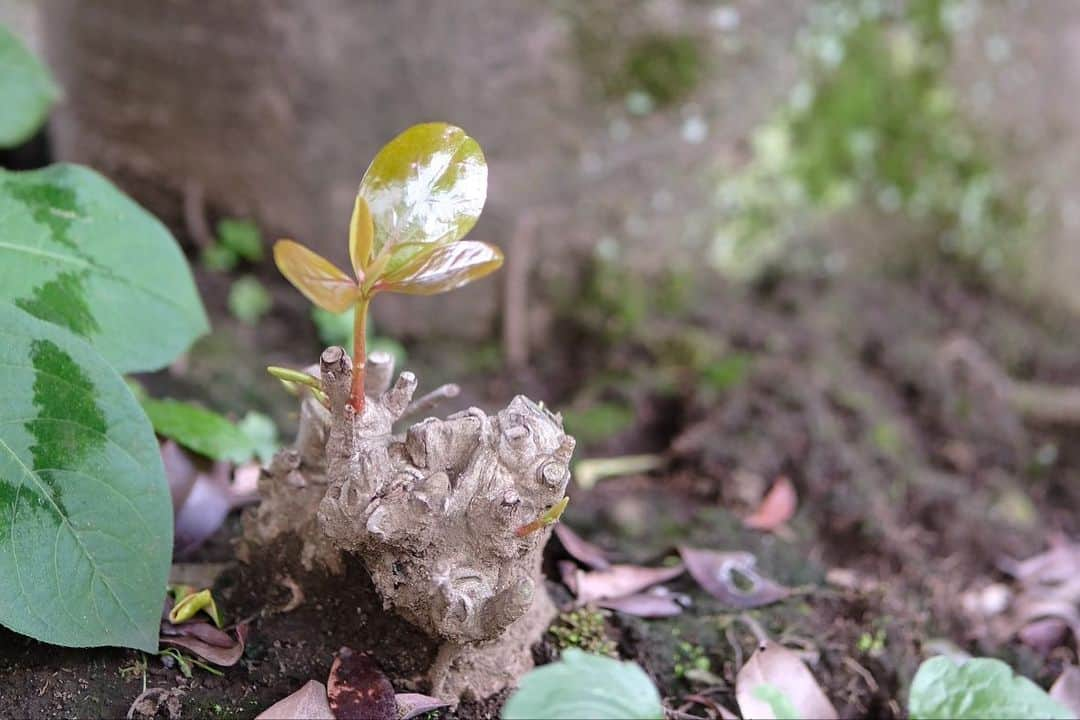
x,y
581,685
977,688
448,267
199,430
77,252
85,512
321,282
27,91
361,237
428,184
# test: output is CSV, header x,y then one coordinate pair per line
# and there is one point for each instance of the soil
x,y
907,481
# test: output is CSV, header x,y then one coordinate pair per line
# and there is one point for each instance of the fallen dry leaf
x,y
720,574
199,630
222,656
1059,564
358,690
776,509
1044,635
775,682
657,602
307,703
410,705
179,471
619,581
580,549
1066,689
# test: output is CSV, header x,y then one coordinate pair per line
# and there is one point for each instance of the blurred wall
x,y
273,109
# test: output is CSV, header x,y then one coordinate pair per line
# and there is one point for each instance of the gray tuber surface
x,y
432,514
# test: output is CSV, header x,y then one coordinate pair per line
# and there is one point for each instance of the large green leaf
x,y
200,430
581,685
977,688
77,252
27,91
428,184
85,514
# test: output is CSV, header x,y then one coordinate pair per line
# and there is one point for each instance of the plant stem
x,y
356,396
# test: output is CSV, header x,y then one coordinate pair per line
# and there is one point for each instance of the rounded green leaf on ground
x,y
77,252
85,514
27,91
581,685
977,688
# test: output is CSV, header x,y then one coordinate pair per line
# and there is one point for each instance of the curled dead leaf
x,y
1066,689
200,631
776,683
619,581
222,656
309,703
657,602
580,549
776,508
358,689
732,578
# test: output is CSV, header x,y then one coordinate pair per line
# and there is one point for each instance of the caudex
x,y
450,517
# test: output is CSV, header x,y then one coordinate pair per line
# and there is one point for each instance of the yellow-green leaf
x,y
448,267
426,185
321,282
190,604
361,234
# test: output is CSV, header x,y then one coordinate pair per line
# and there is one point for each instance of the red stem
x,y
356,394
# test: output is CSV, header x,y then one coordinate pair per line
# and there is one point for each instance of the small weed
x,y
690,657
584,629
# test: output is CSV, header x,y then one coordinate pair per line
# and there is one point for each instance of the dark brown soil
x,y
903,479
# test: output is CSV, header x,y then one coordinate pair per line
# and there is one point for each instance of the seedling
x,y
420,196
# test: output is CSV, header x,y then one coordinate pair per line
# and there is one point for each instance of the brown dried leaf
x,y
358,690
652,604
580,549
410,705
309,702
1044,635
773,671
720,574
620,581
223,656
179,470
1066,689
200,631
776,509
1059,564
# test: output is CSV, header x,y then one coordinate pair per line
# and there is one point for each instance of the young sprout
x,y
420,196
548,517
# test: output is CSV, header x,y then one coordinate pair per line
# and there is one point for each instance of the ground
x,y
838,385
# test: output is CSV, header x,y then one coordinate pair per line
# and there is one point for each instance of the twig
x,y
755,627
1042,402
380,371
195,215
428,402
516,293
588,472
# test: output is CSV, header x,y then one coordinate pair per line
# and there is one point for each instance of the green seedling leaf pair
x,y
420,196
